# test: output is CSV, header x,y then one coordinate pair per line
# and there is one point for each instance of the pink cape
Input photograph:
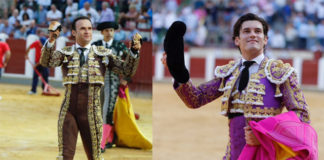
x,y
287,130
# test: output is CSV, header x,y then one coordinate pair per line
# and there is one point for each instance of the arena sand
x,y
28,127
181,133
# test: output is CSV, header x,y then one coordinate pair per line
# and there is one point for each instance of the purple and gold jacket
x,y
271,88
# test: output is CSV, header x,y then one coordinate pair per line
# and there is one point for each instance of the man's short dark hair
x,y
249,17
79,18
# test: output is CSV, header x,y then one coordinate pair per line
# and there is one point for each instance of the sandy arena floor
x,y
28,127
202,134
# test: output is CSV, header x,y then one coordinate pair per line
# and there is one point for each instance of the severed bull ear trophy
x,y
54,27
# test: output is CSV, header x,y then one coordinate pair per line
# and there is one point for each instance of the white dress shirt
x,y
109,42
86,52
253,68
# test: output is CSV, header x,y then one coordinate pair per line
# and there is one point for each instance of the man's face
x,y
53,8
83,32
108,33
251,40
104,6
86,5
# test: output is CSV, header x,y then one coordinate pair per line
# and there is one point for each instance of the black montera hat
x,y
105,25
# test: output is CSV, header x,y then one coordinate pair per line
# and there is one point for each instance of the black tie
x,y
245,75
82,58
106,45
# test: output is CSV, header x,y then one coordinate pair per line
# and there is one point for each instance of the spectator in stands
x,y
82,2
146,3
37,45
145,19
320,32
20,33
17,25
65,32
31,4
25,20
3,9
190,19
54,14
70,12
201,34
89,12
120,34
27,10
32,28
40,16
311,38
60,4
6,28
278,40
107,14
159,30
129,19
133,31
320,11
221,28
123,4
14,17
291,36
310,10
44,3
171,5
187,16
4,55
1,23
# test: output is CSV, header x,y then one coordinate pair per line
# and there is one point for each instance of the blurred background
x,y
296,34
24,21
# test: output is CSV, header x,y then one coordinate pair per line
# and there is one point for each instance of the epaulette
x,y
67,50
101,50
278,72
226,70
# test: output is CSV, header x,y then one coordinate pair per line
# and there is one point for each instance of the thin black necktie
x,y
82,58
245,75
106,45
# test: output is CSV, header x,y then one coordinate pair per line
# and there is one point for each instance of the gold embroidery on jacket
x,y
63,111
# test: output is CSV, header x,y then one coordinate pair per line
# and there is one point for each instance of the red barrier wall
x,y
16,63
197,67
142,80
310,72
220,62
290,61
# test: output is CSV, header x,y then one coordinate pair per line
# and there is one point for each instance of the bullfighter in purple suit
x,y
252,88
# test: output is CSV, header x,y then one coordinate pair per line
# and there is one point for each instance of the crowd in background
x,y
294,24
19,18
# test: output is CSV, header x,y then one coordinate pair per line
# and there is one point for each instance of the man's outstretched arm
x,y
192,96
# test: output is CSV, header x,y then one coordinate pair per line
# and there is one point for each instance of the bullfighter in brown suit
x,y
83,67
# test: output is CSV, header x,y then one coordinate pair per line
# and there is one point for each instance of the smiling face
x,y
83,32
251,39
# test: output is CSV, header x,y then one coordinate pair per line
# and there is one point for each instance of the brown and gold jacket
x,y
93,71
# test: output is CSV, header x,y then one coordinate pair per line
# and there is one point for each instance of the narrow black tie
x,y
245,75
106,45
82,58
